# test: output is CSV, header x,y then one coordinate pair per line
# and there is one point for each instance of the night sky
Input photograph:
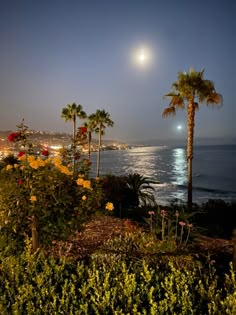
x,y
54,53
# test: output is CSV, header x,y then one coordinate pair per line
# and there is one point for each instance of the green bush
x,y
35,284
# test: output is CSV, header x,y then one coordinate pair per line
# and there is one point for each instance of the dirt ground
x,y
103,228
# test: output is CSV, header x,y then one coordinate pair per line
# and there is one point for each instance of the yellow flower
x,y
16,165
49,159
57,161
22,158
63,169
109,206
34,164
80,181
33,198
30,158
84,198
87,184
9,167
41,162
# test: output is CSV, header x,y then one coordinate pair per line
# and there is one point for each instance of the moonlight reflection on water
x,y
168,165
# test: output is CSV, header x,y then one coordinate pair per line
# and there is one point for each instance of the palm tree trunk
x,y
191,116
74,136
99,149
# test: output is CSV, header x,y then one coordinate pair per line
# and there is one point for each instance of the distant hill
x,y
38,136
4,134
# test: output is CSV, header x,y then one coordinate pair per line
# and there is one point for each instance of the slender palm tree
x,y
89,124
100,120
70,113
193,89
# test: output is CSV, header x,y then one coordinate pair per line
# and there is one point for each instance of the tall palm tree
x,y
100,120
70,113
90,128
193,89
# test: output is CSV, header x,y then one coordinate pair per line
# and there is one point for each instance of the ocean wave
x,y
196,188
163,185
198,175
213,190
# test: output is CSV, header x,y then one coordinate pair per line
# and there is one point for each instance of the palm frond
x,y
147,199
171,94
202,72
168,112
141,187
177,101
215,99
72,110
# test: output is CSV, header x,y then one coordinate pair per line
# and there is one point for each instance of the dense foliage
x,y
35,284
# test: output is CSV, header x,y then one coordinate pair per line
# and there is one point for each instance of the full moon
x,y
141,57
179,127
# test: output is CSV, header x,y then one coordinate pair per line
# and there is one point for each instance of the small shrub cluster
x,y
35,284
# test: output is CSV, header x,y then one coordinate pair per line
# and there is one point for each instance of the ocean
x,y
214,170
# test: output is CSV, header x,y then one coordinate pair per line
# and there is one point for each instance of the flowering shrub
x,y
45,189
40,193
20,138
82,165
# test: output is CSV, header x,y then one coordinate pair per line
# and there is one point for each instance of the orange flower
x,y
87,184
109,206
33,198
80,181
